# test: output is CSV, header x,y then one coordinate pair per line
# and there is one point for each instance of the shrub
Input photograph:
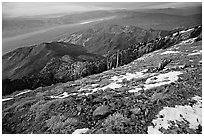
x,y
24,104
42,107
38,109
59,124
40,94
116,121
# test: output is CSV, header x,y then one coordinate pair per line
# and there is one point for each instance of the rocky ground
x,y
144,96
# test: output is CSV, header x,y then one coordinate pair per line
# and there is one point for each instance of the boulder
x,y
101,112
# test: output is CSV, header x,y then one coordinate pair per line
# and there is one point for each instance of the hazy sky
x,y
18,9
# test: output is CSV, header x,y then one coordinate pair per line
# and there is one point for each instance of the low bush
x,y
117,122
46,107
59,124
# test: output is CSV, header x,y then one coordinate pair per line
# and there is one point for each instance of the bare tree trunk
x,y
111,61
108,60
120,59
117,59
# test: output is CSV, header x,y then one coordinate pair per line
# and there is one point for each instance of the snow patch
x,y
135,90
80,131
187,114
184,31
116,80
152,130
175,34
176,48
157,51
145,56
113,85
64,95
6,99
196,53
129,76
23,92
189,41
156,80
94,85
86,41
144,71
161,79
169,52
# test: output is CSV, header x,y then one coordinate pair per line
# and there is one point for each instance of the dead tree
x,y
108,60
117,58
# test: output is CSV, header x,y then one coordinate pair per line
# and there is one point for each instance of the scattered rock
x,y
97,100
136,110
158,96
100,131
109,131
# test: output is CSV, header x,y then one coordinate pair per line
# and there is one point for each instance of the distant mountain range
x,y
24,31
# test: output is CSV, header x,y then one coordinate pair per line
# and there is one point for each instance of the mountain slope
x,y
29,60
67,68
101,39
134,98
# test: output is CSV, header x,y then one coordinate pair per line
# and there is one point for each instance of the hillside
x,y
34,66
28,60
160,92
70,58
101,39
54,62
